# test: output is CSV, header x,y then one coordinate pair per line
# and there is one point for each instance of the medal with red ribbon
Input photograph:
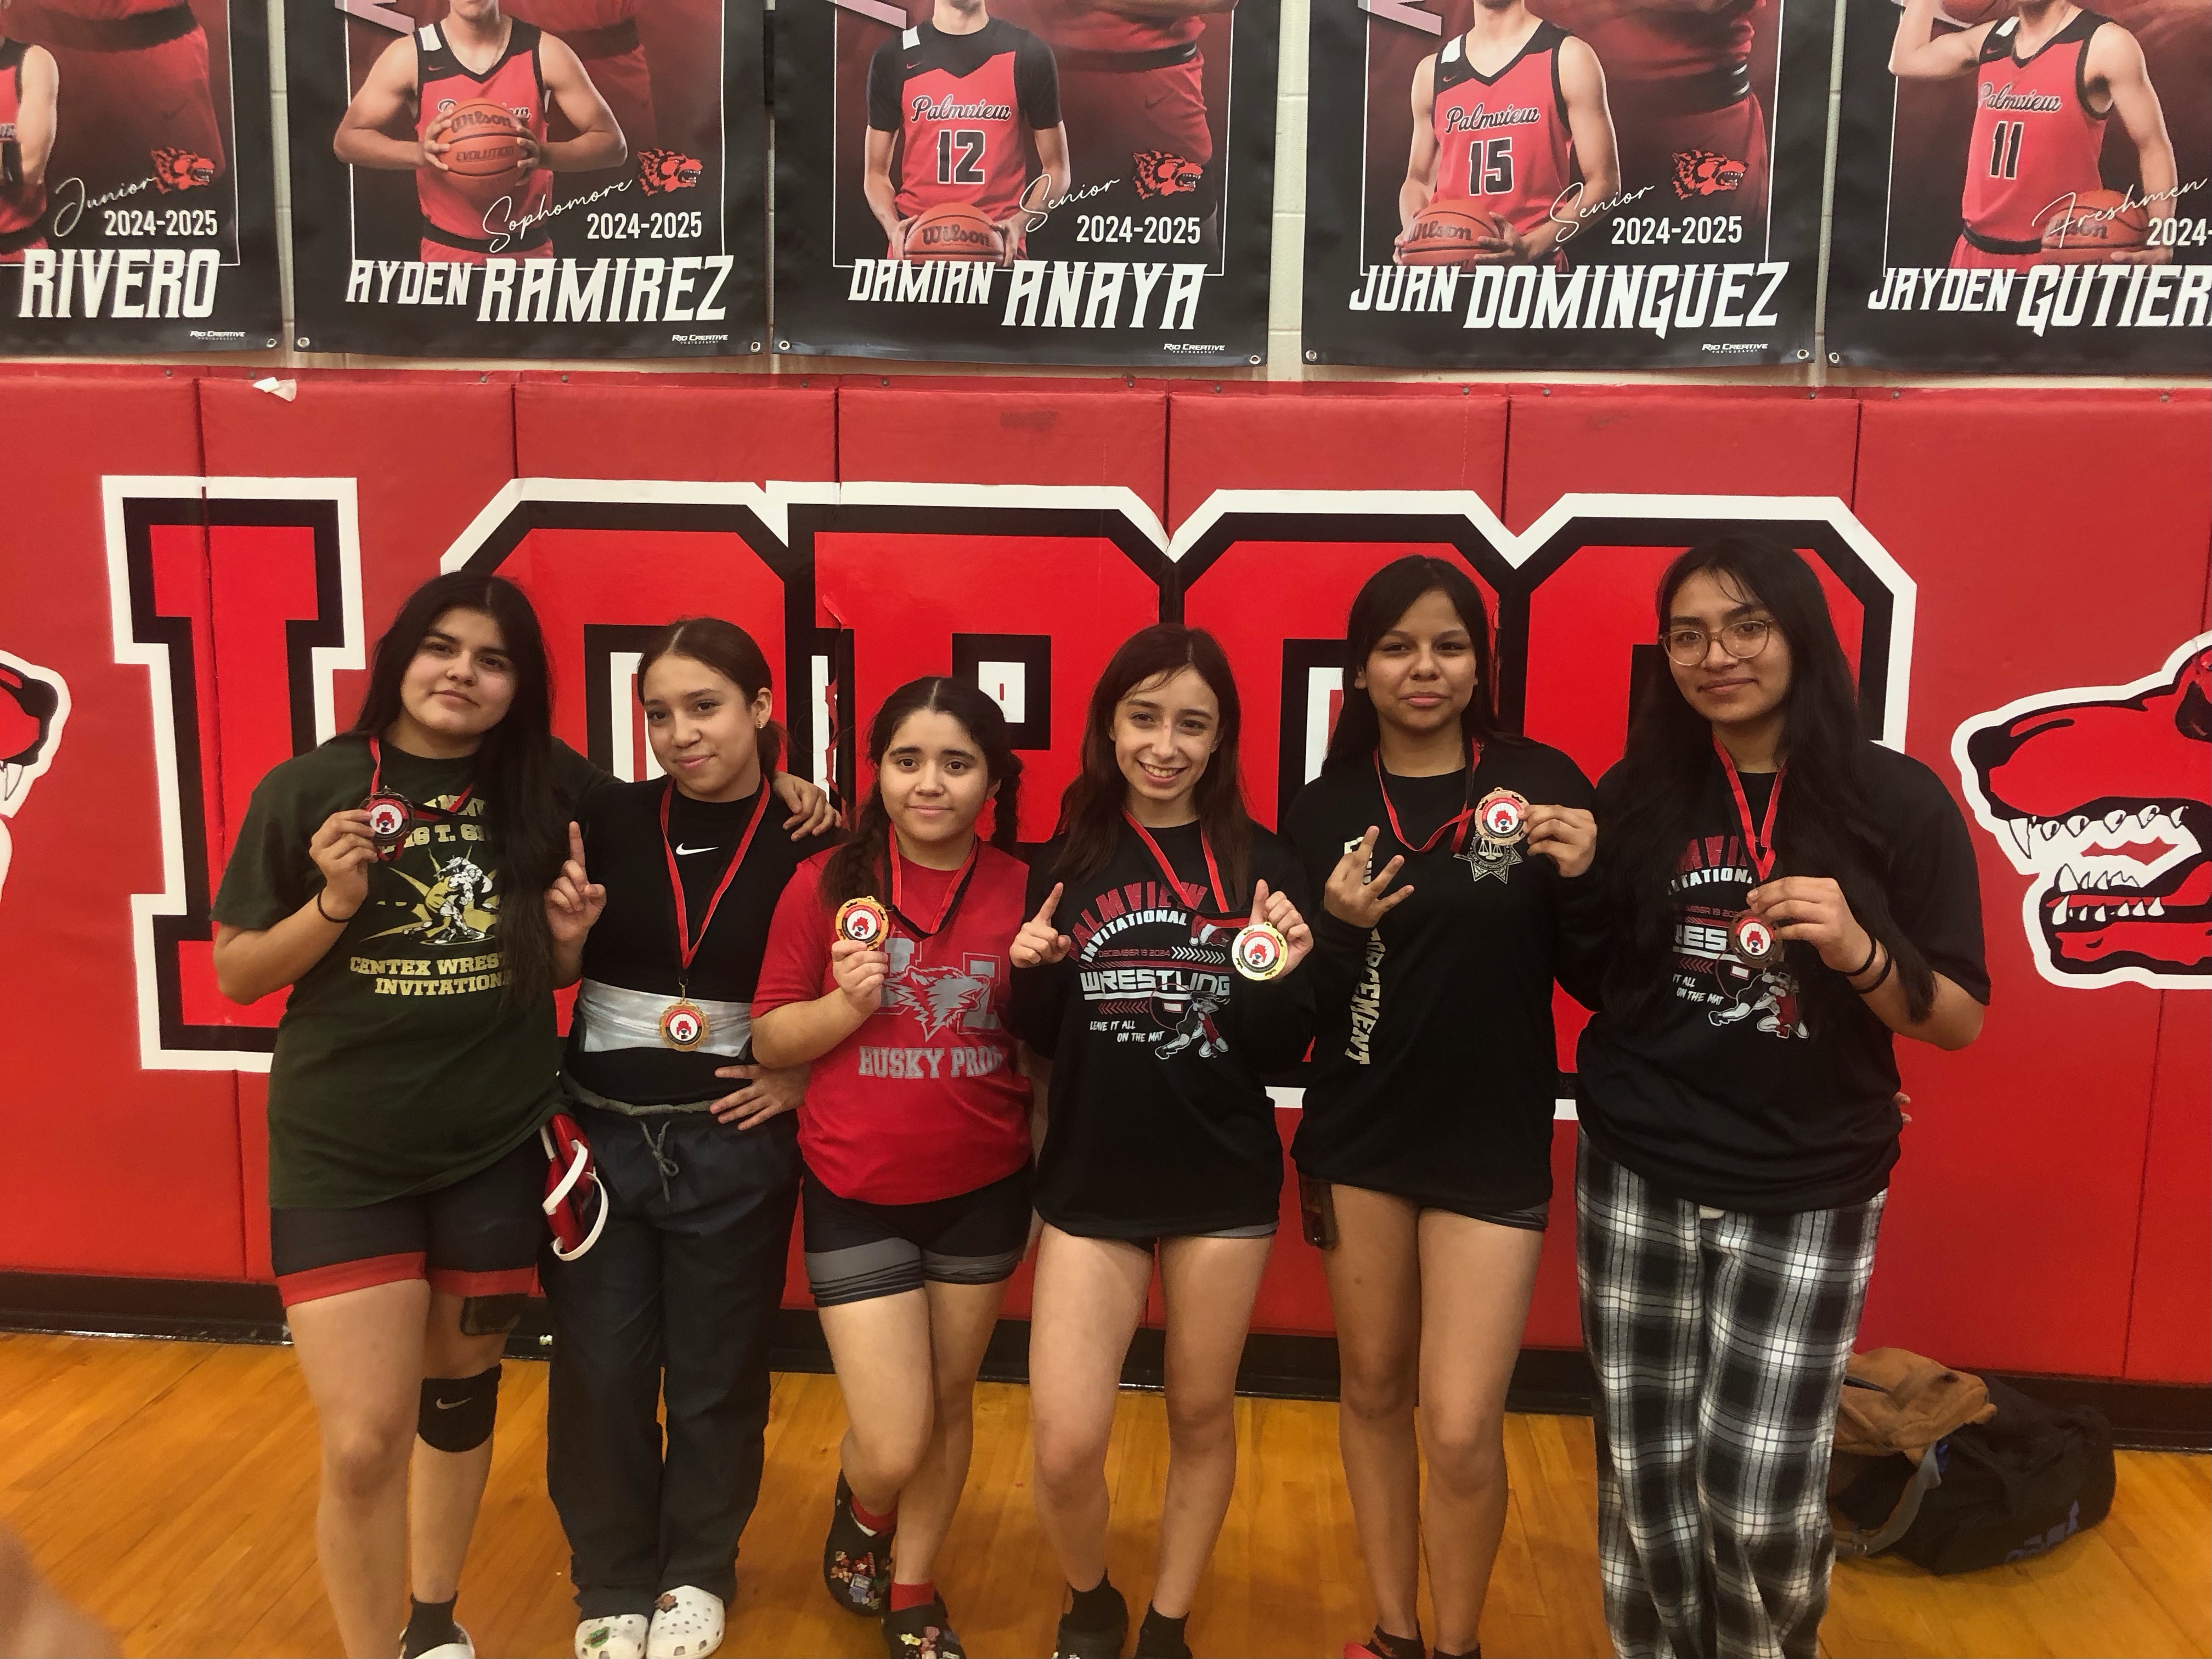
x,y
951,901
1456,823
390,812
1259,949
683,1022
1751,937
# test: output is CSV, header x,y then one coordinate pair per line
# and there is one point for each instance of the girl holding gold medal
x,y
405,881
1447,855
886,971
1158,969
1783,899
670,1314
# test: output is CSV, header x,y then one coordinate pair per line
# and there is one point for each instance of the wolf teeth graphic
x,y
1158,172
180,169
1704,173
663,170
2100,792
34,703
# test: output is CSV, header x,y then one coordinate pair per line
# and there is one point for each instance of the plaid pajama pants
x,y
1719,1343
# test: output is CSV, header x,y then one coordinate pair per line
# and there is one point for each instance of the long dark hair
x,y
514,762
1091,808
730,652
1823,826
1384,598
861,866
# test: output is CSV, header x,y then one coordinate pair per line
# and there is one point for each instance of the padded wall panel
x,y
1241,437
2170,1320
1675,441
137,1171
2024,1169
1025,433
664,426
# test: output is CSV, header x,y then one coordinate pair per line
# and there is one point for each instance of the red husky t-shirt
x,y
923,1102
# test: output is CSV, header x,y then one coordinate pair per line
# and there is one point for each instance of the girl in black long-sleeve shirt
x,y
1162,1136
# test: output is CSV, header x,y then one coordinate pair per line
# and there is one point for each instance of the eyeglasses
x,y
1686,647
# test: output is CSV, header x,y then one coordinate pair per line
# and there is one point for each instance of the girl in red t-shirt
x,y
886,968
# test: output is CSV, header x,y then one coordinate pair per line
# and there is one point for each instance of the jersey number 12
x,y
959,157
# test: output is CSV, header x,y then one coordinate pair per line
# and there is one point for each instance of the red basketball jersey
x,y
959,104
1502,140
1664,43
21,205
1079,26
2035,141
454,211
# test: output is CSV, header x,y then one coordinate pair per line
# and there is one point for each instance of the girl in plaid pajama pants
x,y
1781,897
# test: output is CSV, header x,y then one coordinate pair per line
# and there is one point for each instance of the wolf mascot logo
x,y
34,704
2100,792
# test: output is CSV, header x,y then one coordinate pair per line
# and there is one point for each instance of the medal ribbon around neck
x,y
1188,892
414,809
1758,845
688,947
951,899
1458,824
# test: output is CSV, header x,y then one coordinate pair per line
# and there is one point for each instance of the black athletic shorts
x,y
856,1252
479,1236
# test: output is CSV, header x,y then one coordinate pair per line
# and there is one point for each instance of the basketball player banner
x,y
2025,185
1575,183
1060,181
137,197
528,177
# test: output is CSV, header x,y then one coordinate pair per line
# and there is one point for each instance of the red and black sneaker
x,y
856,1563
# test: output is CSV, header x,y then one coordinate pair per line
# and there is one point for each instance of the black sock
x,y
1399,1647
1095,1607
1161,1634
429,1624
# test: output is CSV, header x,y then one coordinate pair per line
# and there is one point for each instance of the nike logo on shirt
x,y
682,851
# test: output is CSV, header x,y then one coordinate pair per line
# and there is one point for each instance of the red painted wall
x,y
2051,1212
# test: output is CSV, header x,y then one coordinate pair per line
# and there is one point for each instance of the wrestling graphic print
x,y
1153,974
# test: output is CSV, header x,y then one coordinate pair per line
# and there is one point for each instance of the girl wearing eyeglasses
x,y
1784,898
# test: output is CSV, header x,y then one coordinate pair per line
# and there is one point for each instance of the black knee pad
x,y
457,1412
491,1316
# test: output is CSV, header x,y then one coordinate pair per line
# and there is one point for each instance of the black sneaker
x,y
856,1565
922,1632
1158,1638
1103,1640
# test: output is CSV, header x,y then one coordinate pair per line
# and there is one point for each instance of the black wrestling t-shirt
x,y
1738,1089
1435,1073
1160,1123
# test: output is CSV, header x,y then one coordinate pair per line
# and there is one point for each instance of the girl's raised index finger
x,y
1051,903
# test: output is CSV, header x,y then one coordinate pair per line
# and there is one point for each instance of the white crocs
x,y
687,1623
462,1649
618,1636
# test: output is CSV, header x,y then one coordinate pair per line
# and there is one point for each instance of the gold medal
x,y
1260,951
1501,817
864,921
684,1025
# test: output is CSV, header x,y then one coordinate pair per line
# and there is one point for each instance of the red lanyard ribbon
x,y
1759,846
1188,892
687,946
429,814
952,898
1457,824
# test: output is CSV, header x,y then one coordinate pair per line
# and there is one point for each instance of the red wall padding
x,y
2051,1212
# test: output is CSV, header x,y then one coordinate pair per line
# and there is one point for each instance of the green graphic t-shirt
x,y
400,1067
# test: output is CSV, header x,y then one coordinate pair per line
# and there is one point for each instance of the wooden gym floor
x,y
169,1489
